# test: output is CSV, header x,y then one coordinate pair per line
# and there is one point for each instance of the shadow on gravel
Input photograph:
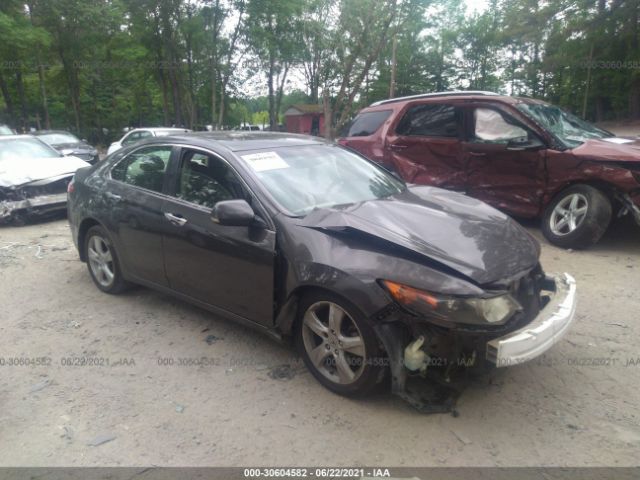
x,y
622,236
24,221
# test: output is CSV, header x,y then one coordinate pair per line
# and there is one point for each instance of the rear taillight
x,y
70,187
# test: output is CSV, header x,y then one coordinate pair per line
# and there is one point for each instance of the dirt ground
x,y
577,406
623,129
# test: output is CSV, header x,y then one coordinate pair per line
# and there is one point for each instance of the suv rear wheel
x,y
577,217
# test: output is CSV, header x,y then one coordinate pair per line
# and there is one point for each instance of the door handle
x,y
175,219
397,147
113,196
478,154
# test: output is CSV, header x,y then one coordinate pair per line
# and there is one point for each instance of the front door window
x,y
490,126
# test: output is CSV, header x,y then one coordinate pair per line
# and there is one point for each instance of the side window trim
x,y
132,152
173,176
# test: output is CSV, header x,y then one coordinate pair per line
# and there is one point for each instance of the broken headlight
x,y
477,311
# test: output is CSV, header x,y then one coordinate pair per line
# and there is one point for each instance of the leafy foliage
x,y
96,67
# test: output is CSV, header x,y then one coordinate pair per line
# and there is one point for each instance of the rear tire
x,y
577,217
102,261
338,345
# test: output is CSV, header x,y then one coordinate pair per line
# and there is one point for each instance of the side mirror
x,y
235,213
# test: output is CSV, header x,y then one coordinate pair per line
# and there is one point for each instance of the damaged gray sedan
x,y
33,178
375,281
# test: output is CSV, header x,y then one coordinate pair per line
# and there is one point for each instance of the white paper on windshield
x,y
617,140
265,161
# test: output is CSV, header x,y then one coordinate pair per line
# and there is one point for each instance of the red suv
x,y
523,156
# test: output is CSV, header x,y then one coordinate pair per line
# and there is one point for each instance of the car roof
x,y
238,141
458,95
14,137
453,93
156,129
45,132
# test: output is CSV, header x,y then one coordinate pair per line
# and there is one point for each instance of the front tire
x,y
102,261
338,345
577,217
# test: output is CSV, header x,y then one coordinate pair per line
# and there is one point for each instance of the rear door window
x,y
144,168
430,120
366,123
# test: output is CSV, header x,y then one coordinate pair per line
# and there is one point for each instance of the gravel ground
x,y
255,403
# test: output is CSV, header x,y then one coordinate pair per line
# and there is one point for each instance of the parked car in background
x,y
68,144
5,130
137,134
33,178
249,128
310,242
523,156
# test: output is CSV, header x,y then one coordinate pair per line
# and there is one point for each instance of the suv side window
x,y
144,167
429,120
206,180
366,123
136,136
491,126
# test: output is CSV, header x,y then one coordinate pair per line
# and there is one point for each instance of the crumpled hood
x,y
610,149
448,228
18,171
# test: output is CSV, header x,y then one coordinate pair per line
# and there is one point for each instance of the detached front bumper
x,y
546,329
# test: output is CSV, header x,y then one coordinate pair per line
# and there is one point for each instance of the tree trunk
x,y
223,89
272,111
193,114
213,97
280,91
328,115
43,94
586,88
175,92
23,105
6,96
41,79
392,82
165,97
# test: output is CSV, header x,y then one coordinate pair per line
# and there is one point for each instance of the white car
x,y
138,134
33,178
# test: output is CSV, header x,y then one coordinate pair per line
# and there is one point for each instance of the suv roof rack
x,y
434,94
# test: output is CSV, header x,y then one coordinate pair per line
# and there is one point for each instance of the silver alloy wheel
x,y
333,342
100,261
568,214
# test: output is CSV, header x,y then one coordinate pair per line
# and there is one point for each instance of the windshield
x,y
18,148
303,178
4,130
58,138
569,129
